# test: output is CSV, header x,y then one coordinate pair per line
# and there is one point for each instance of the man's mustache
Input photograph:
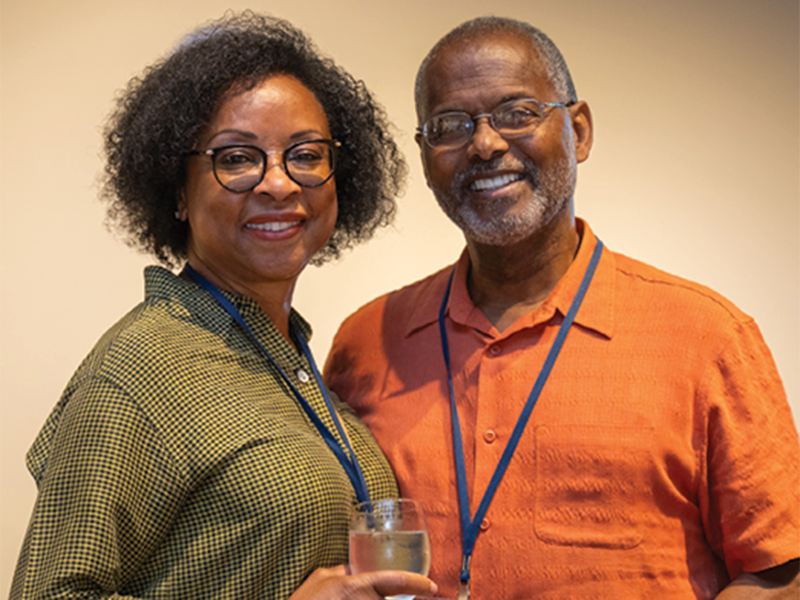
x,y
501,163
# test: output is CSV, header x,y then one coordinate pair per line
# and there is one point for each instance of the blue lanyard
x,y
348,461
471,528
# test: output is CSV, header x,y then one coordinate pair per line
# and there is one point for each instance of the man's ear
x,y
582,129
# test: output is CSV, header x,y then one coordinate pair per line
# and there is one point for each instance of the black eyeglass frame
x,y
334,146
473,120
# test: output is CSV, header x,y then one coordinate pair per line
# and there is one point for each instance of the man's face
x,y
499,191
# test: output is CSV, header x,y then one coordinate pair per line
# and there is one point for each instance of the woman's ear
x,y
181,212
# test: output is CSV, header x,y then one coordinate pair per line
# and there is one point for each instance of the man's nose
x,y
486,142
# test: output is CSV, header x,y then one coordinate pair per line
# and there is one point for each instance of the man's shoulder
x,y
423,295
375,341
646,280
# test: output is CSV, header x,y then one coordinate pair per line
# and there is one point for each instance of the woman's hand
x,y
337,584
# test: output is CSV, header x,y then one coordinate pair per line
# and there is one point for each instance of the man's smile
x,y
494,183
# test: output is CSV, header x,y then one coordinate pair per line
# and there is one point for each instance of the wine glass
x,y
389,535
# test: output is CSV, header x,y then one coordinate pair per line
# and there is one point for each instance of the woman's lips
x,y
276,226
273,225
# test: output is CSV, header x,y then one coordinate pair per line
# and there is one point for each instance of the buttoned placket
x,y
496,412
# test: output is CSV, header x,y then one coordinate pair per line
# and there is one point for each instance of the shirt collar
x,y
596,312
161,283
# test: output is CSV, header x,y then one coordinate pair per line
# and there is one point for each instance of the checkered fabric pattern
x,y
177,464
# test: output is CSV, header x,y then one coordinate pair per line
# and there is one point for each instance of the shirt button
x,y
495,350
485,524
303,376
489,436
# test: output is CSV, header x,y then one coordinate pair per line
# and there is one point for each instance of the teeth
x,y
494,182
274,226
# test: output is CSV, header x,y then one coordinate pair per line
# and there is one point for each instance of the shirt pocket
x,y
592,485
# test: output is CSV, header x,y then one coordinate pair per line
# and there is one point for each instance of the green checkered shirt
x,y
177,464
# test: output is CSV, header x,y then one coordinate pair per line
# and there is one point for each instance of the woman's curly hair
x,y
160,116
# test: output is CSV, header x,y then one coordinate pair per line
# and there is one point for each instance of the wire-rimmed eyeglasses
x,y
453,129
241,167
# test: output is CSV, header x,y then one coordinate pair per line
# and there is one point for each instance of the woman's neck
x,y
273,297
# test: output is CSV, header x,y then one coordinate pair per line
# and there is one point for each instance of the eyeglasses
x,y
241,167
451,130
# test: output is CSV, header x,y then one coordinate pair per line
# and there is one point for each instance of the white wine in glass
x,y
389,535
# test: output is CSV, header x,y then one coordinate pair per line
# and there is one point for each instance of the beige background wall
x,y
695,166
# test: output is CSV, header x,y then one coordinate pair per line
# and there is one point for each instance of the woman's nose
x,y
276,181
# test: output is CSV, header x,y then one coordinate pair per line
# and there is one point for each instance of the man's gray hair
x,y
551,58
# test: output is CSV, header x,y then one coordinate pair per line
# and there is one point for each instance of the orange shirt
x,y
661,459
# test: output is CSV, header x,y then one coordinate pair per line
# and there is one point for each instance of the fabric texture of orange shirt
x,y
661,459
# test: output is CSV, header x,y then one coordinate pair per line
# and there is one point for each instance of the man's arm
x,y
778,582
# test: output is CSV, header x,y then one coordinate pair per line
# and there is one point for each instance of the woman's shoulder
x,y
171,316
144,365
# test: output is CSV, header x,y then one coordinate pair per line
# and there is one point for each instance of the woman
x,y
195,454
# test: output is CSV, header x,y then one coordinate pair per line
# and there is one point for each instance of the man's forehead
x,y
487,48
497,58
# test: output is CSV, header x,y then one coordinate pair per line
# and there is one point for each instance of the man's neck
x,y
507,282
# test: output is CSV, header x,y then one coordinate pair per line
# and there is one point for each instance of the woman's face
x,y
267,235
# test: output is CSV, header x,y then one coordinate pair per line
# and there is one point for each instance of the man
x,y
657,460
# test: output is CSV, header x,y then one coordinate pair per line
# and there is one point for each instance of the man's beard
x,y
550,191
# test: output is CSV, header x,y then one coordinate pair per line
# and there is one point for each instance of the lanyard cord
x,y
471,528
349,463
